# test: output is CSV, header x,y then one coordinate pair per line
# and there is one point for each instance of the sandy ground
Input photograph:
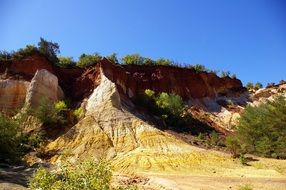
x,y
217,183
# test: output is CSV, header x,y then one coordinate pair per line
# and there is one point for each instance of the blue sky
x,y
246,37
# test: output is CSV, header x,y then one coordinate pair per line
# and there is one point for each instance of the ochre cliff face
x,y
29,65
134,79
131,80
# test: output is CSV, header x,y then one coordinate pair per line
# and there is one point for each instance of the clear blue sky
x,y
246,37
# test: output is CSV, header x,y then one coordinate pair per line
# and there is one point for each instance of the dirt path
x,y
221,183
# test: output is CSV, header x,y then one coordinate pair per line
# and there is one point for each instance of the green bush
x,y
163,61
258,85
261,130
86,175
49,49
10,137
4,56
49,113
60,106
78,112
249,85
28,50
133,59
198,68
88,59
66,62
245,187
113,58
171,103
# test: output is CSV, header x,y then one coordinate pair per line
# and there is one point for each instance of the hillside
x,y
114,126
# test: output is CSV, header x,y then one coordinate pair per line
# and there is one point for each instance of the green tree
x,y
198,68
249,85
172,103
163,61
261,130
10,137
257,86
50,49
113,58
88,59
133,59
66,62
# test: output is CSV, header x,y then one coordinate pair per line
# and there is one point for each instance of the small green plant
x,y
86,175
10,137
113,58
257,86
163,61
78,112
214,138
49,113
149,93
249,85
60,105
245,187
243,159
198,68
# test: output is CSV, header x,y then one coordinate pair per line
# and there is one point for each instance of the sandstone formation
x,y
132,80
12,94
43,87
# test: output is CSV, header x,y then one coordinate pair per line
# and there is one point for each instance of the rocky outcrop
x,y
12,94
132,80
43,86
109,130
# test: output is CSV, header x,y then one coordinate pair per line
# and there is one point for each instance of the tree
x,y
257,86
163,61
66,62
249,85
133,59
88,59
199,68
113,58
262,130
50,49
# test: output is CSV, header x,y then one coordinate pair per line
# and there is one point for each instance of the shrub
x,y
171,103
28,50
78,112
257,86
10,137
148,61
135,59
163,61
47,112
198,68
88,59
4,55
66,62
50,49
60,106
225,74
113,58
261,130
249,85
86,175
245,187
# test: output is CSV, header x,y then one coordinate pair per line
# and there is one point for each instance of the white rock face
x,y
44,85
105,92
12,94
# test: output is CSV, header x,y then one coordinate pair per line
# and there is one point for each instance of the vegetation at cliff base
x,y
85,175
10,137
261,130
